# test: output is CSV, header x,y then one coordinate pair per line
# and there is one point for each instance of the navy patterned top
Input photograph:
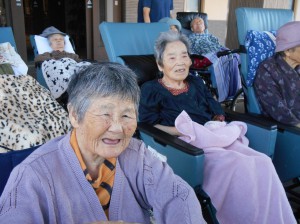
x,y
277,86
203,43
159,106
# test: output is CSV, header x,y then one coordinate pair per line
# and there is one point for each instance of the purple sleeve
x,y
270,96
172,199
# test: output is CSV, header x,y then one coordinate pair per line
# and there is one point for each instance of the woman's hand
x,y
219,118
168,129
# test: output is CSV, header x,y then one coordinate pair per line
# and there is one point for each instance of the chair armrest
x,y
254,119
38,64
186,160
166,139
261,132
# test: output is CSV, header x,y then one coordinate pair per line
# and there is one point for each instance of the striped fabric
x,y
103,185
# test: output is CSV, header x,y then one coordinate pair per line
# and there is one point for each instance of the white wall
x,y
216,9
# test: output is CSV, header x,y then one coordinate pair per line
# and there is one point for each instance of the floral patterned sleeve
x,y
271,87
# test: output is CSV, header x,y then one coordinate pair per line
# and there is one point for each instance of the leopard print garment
x,y
29,115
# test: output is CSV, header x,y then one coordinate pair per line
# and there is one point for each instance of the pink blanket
x,y
242,183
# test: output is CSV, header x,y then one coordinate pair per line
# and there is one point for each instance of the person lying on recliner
x,y
241,182
226,68
277,82
58,66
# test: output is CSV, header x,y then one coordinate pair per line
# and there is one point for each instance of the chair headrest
x,y
185,18
43,46
144,66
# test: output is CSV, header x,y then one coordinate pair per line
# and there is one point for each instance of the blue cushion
x,y
259,45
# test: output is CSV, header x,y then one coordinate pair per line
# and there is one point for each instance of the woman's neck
x,y
291,62
93,168
175,84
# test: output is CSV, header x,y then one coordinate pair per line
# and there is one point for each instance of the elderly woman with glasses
x,y
98,172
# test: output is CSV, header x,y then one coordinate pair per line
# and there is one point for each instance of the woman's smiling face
x,y
176,62
106,128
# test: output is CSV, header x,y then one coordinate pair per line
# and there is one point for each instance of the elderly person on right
x,y
98,172
226,75
277,82
241,182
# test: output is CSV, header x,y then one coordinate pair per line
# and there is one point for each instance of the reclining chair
x,y
287,147
137,54
10,159
6,35
201,65
40,45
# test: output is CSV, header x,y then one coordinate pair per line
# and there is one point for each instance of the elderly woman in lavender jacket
x,y
98,172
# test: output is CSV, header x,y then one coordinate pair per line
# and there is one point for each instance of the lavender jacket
x,y
49,187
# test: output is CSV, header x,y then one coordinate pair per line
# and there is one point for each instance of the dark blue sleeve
x,y
214,106
171,5
149,104
147,3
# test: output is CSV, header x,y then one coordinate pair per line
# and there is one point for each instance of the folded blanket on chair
x,y
242,183
29,115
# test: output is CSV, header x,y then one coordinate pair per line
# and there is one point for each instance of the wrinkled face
x,y
106,128
198,25
57,42
173,28
293,56
176,62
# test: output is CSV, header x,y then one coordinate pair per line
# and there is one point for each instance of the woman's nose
x,y
115,126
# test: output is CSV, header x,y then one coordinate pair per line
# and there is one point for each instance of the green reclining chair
x,y
132,44
10,159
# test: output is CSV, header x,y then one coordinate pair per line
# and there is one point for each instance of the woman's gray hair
x,y
101,80
168,37
50,36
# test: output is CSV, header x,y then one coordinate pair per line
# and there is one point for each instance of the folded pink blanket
x,y
242,183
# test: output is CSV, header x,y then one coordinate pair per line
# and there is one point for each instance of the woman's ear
x,y
73,117
160,68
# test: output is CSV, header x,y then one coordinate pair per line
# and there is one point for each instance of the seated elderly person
x,y
241,182
277,82
58,66
226,68
173,23
98,172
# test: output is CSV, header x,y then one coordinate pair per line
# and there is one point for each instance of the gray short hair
x,y
51,35
168,37
101,80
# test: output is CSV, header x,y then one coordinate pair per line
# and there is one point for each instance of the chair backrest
x,y
258,19
7,35
124,39
132,44
185,18
10,160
